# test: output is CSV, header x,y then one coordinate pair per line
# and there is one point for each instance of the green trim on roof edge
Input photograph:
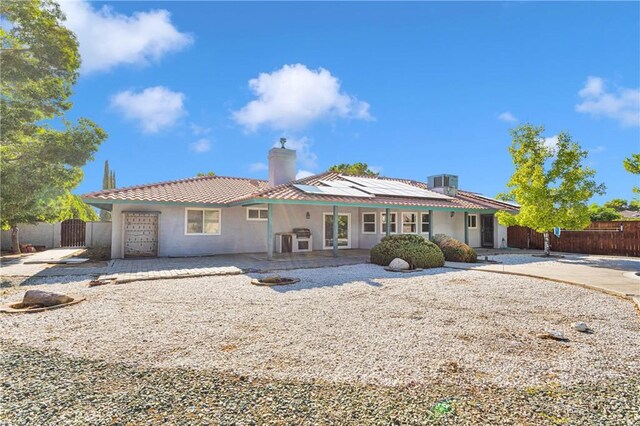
x,y
94,201
254,201
363,205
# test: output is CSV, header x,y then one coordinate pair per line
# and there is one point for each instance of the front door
x,y
344,230
486,230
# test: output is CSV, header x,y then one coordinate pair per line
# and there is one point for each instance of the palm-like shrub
x,y
413,249
454,250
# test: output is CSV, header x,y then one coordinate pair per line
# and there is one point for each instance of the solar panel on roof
x,y
328,190
337,183
394,188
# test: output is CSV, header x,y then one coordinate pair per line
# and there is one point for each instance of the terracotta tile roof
x,y
204,189
464,200
490,203
228,190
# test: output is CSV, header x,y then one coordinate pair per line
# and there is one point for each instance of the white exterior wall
x,y
98,234
500,234
239,235
443,223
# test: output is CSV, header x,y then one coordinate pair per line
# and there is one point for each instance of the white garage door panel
x,y
140,234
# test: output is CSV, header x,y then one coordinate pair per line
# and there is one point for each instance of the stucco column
x,y
387,216
335,231
466,228
269,231
430,224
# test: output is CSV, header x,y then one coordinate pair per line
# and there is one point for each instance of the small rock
x,y
581,327
44,298
552,334
399,264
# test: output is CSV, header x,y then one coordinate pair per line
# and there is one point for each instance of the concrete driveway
x,y
614,275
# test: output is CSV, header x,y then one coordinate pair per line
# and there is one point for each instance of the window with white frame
x,y
368,223
409,223
202,222
257,213
472,221
424,223
393,222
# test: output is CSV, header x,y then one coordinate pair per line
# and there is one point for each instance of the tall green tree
x,y
108,182
201,174
603,213
551,184
632,165
617,204
41,153
361,169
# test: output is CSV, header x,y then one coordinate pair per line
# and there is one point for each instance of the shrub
x,y
454,250
413,249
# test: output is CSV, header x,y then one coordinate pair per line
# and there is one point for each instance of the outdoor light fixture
x,y
308,215
453,214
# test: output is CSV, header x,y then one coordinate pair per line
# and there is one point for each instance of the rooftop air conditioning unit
x,y
444,184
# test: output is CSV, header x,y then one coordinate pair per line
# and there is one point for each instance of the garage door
x,y
140,234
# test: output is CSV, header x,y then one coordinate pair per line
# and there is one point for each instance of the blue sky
x,y
412,89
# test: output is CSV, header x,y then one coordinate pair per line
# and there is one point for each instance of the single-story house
x,y
329,211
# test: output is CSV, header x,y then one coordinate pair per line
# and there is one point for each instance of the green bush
x,y
413,249
454,250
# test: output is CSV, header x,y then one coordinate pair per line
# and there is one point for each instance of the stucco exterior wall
x,y
98,234
239,235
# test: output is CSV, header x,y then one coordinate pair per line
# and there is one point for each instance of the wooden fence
x,y
617,238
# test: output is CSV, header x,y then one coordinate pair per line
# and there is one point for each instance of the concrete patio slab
x,y
25,265
127,270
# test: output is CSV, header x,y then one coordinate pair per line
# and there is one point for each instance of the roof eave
x,y
253,201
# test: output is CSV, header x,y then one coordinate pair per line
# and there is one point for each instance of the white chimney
x,y
282,164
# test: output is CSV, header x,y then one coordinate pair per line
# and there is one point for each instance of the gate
x,y
73,233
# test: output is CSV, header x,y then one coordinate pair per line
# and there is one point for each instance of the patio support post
x,y
387,216
335,231
269,231
466,228
430,224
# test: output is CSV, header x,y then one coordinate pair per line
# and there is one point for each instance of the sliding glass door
x,y
344,230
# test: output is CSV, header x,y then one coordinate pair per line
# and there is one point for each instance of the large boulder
x,y
399,264
413,249
454,250
44,298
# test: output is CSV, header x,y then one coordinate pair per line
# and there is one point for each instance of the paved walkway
x,y
608,274
16,266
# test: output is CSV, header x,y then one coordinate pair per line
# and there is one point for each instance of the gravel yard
x,y
352,324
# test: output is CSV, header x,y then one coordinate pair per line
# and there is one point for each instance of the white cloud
x,y
108,38
507,117
551,143
200,146
294,96
258,167
623,105
305,157
199,130
597,149
154,108
303,174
